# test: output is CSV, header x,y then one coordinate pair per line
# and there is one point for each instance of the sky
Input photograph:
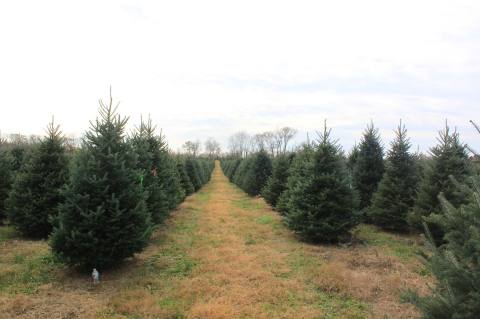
x,y
212,68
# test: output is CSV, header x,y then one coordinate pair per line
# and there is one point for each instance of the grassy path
x,y
223,254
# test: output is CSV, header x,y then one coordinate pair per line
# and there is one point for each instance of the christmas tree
x,y
208,167
256,176
229,167
369,167
36,192
184,179
171,181
454,264
300,167
277,182
241,172
352,159
6,177
202,174
104,218
320,204
19,154
158,171
397,189
193,173
448,158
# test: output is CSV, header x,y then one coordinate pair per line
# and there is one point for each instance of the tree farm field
x,y
221,254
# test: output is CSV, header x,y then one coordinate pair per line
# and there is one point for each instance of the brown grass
x,y
223,255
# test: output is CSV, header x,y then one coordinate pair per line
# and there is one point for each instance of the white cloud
x,y
210,68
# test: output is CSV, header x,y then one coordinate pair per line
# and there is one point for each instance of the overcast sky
x,y
211,68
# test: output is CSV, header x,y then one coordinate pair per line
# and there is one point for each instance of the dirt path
x,y
223,254
245,265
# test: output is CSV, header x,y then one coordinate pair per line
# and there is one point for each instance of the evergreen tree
x,y
184,179
18,153
36,192
104,218
455,264
277,182
320,204
171,181
193,173
369,167
201,172
147,148
352,159
257,174
449,157
241,172
397,189
159,176
230,167
208,166
300,167
6,177
234,168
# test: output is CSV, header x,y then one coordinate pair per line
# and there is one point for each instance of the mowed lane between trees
x,y
221,254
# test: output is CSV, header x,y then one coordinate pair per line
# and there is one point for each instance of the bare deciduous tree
x,y
277,141
270,142
238,144
274,142
17,139
34,139
192,148
258,142
285,134
212,148
71,142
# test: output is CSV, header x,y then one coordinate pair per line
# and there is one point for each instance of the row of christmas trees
x,y
322,194
99,204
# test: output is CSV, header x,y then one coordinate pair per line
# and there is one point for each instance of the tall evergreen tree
x,y
18,153
321,204
397,189
258,173
277,182
159,176
6,177
369,166
207,167
104,218
449,157
241,172
184,179
36,193
301,168
201,171
455,264
171,181
352,158
230,167
193,173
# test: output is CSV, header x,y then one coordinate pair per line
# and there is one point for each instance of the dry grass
x,y
220,255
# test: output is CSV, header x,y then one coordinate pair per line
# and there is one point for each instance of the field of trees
x,y
263,230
